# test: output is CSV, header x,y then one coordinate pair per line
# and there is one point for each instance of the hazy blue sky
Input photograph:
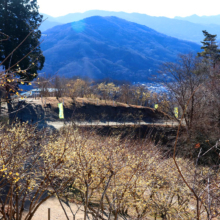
x,y
168,8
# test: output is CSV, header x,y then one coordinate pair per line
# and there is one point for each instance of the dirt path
x,y
56,211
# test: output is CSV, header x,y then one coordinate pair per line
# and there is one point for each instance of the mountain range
x,y
109,47
179,27
213,19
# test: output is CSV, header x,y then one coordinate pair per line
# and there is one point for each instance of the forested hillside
x,y
109,47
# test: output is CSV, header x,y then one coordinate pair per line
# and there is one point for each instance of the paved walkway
x,y
59,124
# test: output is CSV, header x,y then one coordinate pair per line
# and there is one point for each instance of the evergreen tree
x,y
210,47
18,18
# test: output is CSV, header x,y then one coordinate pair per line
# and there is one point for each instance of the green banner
x,y
61,114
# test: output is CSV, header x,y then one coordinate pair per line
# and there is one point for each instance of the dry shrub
x,y
27,171
120,179
108,177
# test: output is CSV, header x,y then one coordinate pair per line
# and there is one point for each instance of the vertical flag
x,y
156,106
176,113
60,106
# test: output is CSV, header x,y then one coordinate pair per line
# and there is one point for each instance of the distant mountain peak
x,y
109,47
189,28
213,19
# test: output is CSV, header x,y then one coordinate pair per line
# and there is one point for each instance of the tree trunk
x,y
9,105
0,106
